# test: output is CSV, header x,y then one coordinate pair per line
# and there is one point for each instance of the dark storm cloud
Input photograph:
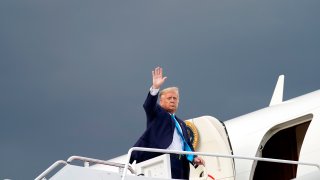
x,y
74,74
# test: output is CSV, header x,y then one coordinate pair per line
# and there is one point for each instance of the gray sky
x,y
74,73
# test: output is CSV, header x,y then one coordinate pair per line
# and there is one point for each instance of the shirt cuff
x,y
154,92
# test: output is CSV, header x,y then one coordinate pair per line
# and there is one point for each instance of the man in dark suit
x,y
164,129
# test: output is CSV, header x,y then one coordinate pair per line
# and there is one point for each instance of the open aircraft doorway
x,y
283,141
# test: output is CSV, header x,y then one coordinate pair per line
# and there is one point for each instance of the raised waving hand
x,y
157,78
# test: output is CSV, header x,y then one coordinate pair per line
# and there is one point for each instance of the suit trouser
x,y
179,166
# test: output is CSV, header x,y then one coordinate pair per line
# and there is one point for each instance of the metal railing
x,y
213,155
97,161
126,166
52,167
86,164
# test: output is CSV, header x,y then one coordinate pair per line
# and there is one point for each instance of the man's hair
x,y
169,89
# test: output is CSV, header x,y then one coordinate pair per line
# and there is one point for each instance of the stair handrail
x,y
211,154
49,169
98,161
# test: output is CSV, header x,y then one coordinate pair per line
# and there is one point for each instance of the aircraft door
x,y
283,141
208,134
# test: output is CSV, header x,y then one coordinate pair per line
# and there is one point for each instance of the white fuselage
x,y
249,133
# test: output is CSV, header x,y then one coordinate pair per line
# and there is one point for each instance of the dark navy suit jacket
x,y
159,131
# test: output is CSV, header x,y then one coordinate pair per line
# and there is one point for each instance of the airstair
x,y
154,169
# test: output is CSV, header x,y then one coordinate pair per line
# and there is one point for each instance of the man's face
x,y
170,101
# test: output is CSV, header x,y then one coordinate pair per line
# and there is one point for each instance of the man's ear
x,y
160,102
